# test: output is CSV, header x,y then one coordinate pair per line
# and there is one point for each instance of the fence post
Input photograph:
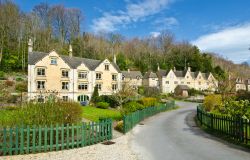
x,y
241,129
124,124
212,121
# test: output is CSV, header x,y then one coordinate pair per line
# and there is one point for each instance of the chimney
x,y
114,59
30,46
174,69
158,67
128,70
70,51
189,69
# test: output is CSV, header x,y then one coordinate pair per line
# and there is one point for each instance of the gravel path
x,y
118,151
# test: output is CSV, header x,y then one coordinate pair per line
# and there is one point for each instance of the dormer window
x,y
53,61
106,67
82,75
138,77
41,71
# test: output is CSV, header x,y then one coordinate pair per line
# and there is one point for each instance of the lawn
x,y
93,114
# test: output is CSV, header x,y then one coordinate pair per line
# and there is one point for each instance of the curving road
x,y
174,136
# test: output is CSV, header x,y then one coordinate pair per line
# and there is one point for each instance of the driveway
x,y
174,136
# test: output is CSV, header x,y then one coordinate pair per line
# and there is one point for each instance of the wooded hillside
x,y
54,27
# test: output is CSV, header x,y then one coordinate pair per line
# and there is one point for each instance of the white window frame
x,y
40,71
84,86
114,77
99,86
106,67
41,85
64,71
53,61
82,75
65,98
114,87
98,76
65,85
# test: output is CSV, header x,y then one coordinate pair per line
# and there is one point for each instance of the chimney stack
x,y
30,46
70,51
114,59
189,69
128,70
158,67
174,69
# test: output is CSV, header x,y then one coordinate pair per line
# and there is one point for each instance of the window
x,y
114,87
167,82
199,83
188,82
65,73
175,82
114,77
199,77
207,83
65,98
53,61
40,99
99,86
187,76
98,76
123,77
182,82
40,84
106,67
138,77
82,75
83,86
41,71
65,85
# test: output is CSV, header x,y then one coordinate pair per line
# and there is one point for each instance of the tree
x,y
95,95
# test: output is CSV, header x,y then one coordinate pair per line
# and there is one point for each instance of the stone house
x,y
133,78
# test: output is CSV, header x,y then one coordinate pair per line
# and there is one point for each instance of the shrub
x,y
111,99
132,107
213,102
18,79
42,114
2,74
194,92
148,101
95,95
9,83
151,92
237,108
103,105
21,87
119,126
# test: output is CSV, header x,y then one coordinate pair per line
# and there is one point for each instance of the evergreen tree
x,y
95,95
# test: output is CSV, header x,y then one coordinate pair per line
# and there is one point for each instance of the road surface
x,y
174,136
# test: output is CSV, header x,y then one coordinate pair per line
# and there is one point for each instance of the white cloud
x,y
134,12
155,34
232,42
165,23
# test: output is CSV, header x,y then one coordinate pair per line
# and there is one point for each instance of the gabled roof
x,y
150,74
182,87
73,62
161,73
132,74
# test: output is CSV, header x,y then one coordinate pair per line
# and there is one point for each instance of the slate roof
x,y
161,73
73,62
132,74
150,74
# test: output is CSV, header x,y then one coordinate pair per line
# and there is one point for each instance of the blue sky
x,y
220,26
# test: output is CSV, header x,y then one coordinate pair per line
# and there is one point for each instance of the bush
x,y
2,74
103,105
194,92
9,83
151,92
18,79
148,101
213,102
21,87
119,126
42,114
111,99
237,109
132,107
95,95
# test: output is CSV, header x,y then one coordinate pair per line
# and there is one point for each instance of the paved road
x,y
174,136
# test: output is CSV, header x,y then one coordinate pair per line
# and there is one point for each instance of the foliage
x,y
237,108
9,83
151,92
111,99
103,105
212,102
2,74
93,113
95,95
194,92
42,114
132,107
243,95
119,126
21,87
148,101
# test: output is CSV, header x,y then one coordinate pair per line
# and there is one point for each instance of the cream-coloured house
x,y
68,77
169,80
240,84
150,79
133,78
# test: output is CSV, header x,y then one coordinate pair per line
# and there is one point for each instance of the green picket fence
x,y
237,129
130,120
24,140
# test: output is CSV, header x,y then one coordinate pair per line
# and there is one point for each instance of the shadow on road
x,y
194,129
